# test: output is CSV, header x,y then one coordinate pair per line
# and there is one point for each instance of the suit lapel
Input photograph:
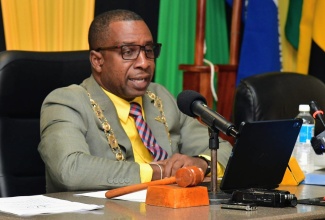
x,y
110,113
158,128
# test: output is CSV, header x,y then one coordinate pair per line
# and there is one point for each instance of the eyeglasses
x,y
131,52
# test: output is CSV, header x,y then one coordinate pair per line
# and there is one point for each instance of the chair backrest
x,y
26,78
276,95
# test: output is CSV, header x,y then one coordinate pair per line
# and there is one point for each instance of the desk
x,y
124,210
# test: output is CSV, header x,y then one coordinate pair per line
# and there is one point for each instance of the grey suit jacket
x,y
75,149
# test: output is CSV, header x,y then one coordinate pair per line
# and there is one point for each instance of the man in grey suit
x,y
88,139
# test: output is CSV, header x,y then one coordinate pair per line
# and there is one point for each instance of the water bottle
x,y
303,151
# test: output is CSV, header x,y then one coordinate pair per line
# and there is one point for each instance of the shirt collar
x,y
122,106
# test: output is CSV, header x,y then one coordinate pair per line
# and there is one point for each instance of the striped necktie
x,y
145,133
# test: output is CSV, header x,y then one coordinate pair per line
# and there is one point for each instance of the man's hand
x,y
171,165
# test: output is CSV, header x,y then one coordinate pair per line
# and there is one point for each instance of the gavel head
x,y
189,176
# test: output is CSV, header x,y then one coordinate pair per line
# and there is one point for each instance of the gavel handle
x,y
133,188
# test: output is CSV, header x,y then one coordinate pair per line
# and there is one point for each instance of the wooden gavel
x,y
185,176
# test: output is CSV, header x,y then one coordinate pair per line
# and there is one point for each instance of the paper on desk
x,y
39,204
139,196
314,179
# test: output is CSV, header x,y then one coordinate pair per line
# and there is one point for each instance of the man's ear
x,y
96,60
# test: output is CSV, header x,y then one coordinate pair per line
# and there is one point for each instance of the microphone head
x,y
313,105
185,100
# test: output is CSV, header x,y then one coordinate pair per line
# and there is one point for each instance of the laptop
x,y
260,155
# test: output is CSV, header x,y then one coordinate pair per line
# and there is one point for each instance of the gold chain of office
x,y
109,133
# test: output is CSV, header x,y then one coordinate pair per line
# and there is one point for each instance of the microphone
x,y
193,104
317,112
318,142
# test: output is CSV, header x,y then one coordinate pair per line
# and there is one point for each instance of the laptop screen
x,y
261,154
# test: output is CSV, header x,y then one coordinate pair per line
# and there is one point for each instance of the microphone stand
x,y
214,146
214,198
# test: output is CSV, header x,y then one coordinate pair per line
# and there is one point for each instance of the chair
x,y
276,95
25,80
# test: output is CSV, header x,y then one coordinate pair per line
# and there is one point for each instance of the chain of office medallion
x,y
109,133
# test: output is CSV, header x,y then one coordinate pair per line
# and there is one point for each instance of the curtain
x,y
176,32
47,25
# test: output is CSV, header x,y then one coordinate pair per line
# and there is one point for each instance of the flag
x,y
317,53
293,22
260,49
309,33
176,32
